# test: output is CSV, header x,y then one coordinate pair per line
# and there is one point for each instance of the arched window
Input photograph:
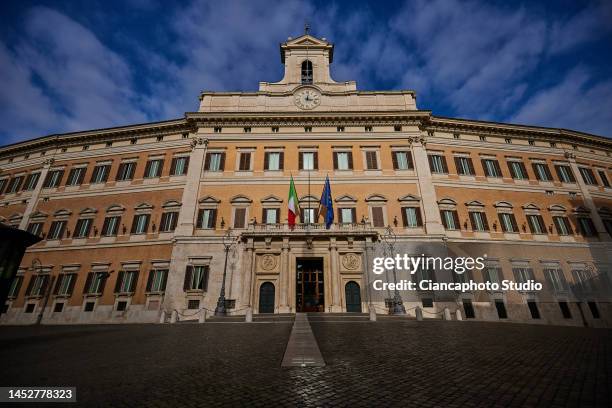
x,y
307,72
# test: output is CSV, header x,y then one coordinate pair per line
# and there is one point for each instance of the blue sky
x,y
76,65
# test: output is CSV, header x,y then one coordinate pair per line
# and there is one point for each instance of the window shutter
x,y
535,171
497,167
514,224
394,159
354,214
316,160
150,280
419,218
263,215
444,164
147,169
471,166
335,160
103,282
163,221
377,215
542,225
512,173
205,278
458,165
472,222
485,221
164,280
456,218
443,219
87,282
350,160
277,215
186,165
199,219
188,274
568,224
247,161
524,170
119,281
239,216
147,219
58,283
430,160
340,215
73,280
207,162
174,221
134,222
45,284
571,175
484,167
281,161
134,282
120,171
213,218
301,160
267,161
173,166
30,285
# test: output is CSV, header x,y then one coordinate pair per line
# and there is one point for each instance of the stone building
x,y
134,218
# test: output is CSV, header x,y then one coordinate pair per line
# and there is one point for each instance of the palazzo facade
x,y
135,218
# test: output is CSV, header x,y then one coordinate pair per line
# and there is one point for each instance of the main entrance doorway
x,y
310,289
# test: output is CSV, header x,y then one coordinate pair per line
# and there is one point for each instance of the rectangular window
x,y
508,222
2,185
274,161
587,228
437,163
245,161
371,160
111,226
126,171
450,219
121,306
604,178
38,285
594,309
196,277
478,219
533,309
193,304
493,274
308,215
565,174
82,228
271,215
89,306
411,217
542,172
607,222
518,170
65,284
100,174
95,283
58,307
157,280
562,225
556,279
126,282
35,228
153,168
587,176
402,160
15,286
523,274
14,185
206,218
30,183
347,215
215,161
168,221
76,176
239,217
500,306
56,231
536,224
308,160
491,168
378,219
179,166
140,224
343,160
464,165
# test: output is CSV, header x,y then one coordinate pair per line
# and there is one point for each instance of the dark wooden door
x,y
353,297
310,291
266,298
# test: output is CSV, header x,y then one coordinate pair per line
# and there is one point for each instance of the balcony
x,y
336,229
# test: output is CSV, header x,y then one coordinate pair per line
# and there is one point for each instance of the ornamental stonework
x,y
351,262
268,263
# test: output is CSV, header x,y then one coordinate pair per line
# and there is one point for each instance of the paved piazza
x,y
391,362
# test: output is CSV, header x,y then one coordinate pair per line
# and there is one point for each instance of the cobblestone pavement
x,y
386,363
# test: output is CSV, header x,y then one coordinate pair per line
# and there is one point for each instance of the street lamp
x,y
228,241
389,239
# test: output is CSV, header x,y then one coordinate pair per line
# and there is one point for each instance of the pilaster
x,y
33,200
187,213
431,215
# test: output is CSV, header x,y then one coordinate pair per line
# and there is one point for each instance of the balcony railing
x,y
314,229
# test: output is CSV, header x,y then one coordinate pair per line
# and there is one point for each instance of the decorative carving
x,y
49,162
351,262
268,262
570,155
198,141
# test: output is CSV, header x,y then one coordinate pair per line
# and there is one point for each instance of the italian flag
x,y
293,204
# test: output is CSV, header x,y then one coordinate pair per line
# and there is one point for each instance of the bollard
x,y
162,317
458,314
202,316
447,314
173,317
248,317
419,313
372,314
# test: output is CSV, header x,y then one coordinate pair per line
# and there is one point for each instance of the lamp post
x,y
228,241
389,239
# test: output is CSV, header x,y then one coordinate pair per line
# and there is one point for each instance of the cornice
x,y
300,86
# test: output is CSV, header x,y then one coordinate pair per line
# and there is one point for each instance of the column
x,y
285,275
187,213
429,201
335,280
247,273
588,200
33,200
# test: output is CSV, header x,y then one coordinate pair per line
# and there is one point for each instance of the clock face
x,y
307,98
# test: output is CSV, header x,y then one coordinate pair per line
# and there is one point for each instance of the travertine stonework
x,y
382,156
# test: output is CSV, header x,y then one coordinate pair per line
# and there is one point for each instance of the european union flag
x,y
327,206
